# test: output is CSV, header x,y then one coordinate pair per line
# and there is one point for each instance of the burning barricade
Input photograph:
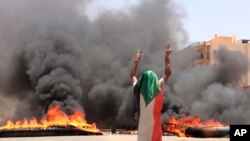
x,y
194,127
55,123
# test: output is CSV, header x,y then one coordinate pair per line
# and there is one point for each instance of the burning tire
x,y
207,132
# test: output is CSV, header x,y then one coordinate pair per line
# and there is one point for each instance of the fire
x,y
178,126
55,117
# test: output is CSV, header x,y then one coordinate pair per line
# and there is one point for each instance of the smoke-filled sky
x,y
207,91
223,17
54,53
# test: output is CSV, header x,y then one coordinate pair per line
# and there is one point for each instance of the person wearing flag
x,y
148,92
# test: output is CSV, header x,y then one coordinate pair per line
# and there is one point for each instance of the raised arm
x,y
134,66
167,71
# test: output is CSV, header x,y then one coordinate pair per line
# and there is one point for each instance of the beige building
x,y
207,51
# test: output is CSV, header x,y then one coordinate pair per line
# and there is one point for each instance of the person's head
x,y
150,76
148,85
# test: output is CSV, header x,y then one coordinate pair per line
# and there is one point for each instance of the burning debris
x,y
193,126
55,123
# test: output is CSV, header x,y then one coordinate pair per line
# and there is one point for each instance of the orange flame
x,y
55,117
178,126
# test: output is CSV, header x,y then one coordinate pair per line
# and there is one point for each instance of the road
x,y
107,138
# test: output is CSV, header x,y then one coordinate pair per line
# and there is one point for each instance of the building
x,y
207,52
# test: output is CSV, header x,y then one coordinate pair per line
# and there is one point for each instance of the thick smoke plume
x,y
207,90
52,53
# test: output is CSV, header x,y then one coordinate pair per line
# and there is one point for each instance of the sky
x,y
203,18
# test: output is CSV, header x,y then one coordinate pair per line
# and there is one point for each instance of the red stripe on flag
x,y
157,132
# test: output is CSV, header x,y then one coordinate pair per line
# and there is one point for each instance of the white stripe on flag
x,y
146,121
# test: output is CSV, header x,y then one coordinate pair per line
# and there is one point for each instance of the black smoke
x,y
52,53
211,91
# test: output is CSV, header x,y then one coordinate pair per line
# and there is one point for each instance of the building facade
x,y
207,53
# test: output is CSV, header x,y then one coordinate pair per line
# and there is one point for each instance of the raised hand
x,y
168,50
135,64
167,71
138,55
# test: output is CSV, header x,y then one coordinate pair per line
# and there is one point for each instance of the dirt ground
x,y
107,138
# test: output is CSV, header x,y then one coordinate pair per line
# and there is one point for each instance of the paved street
x,y
107,138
